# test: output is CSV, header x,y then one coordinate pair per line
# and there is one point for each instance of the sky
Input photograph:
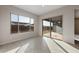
x,y
46,23
22,19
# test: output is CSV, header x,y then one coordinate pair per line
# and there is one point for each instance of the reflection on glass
x,y
56,29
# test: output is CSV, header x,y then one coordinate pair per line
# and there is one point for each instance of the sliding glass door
x,y
56,28
53,28
46,27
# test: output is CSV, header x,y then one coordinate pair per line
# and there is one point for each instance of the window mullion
x,y
18,24
30,24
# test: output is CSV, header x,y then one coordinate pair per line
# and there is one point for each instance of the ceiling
x,y
39,9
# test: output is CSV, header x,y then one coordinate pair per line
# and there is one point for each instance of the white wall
x,y
68,22
5,35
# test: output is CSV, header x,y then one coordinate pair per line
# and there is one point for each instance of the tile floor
x,y
38,45
33,45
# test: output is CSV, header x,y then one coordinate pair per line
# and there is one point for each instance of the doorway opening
x,y
52,27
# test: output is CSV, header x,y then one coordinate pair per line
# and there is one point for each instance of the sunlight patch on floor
x,y
53,47
23,48
54,35
67,47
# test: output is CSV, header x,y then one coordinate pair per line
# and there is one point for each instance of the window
x,y
24,24
32,24
21,24
14,23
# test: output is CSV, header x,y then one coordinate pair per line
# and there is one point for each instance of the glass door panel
x,y
56,28
52,27
46,27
